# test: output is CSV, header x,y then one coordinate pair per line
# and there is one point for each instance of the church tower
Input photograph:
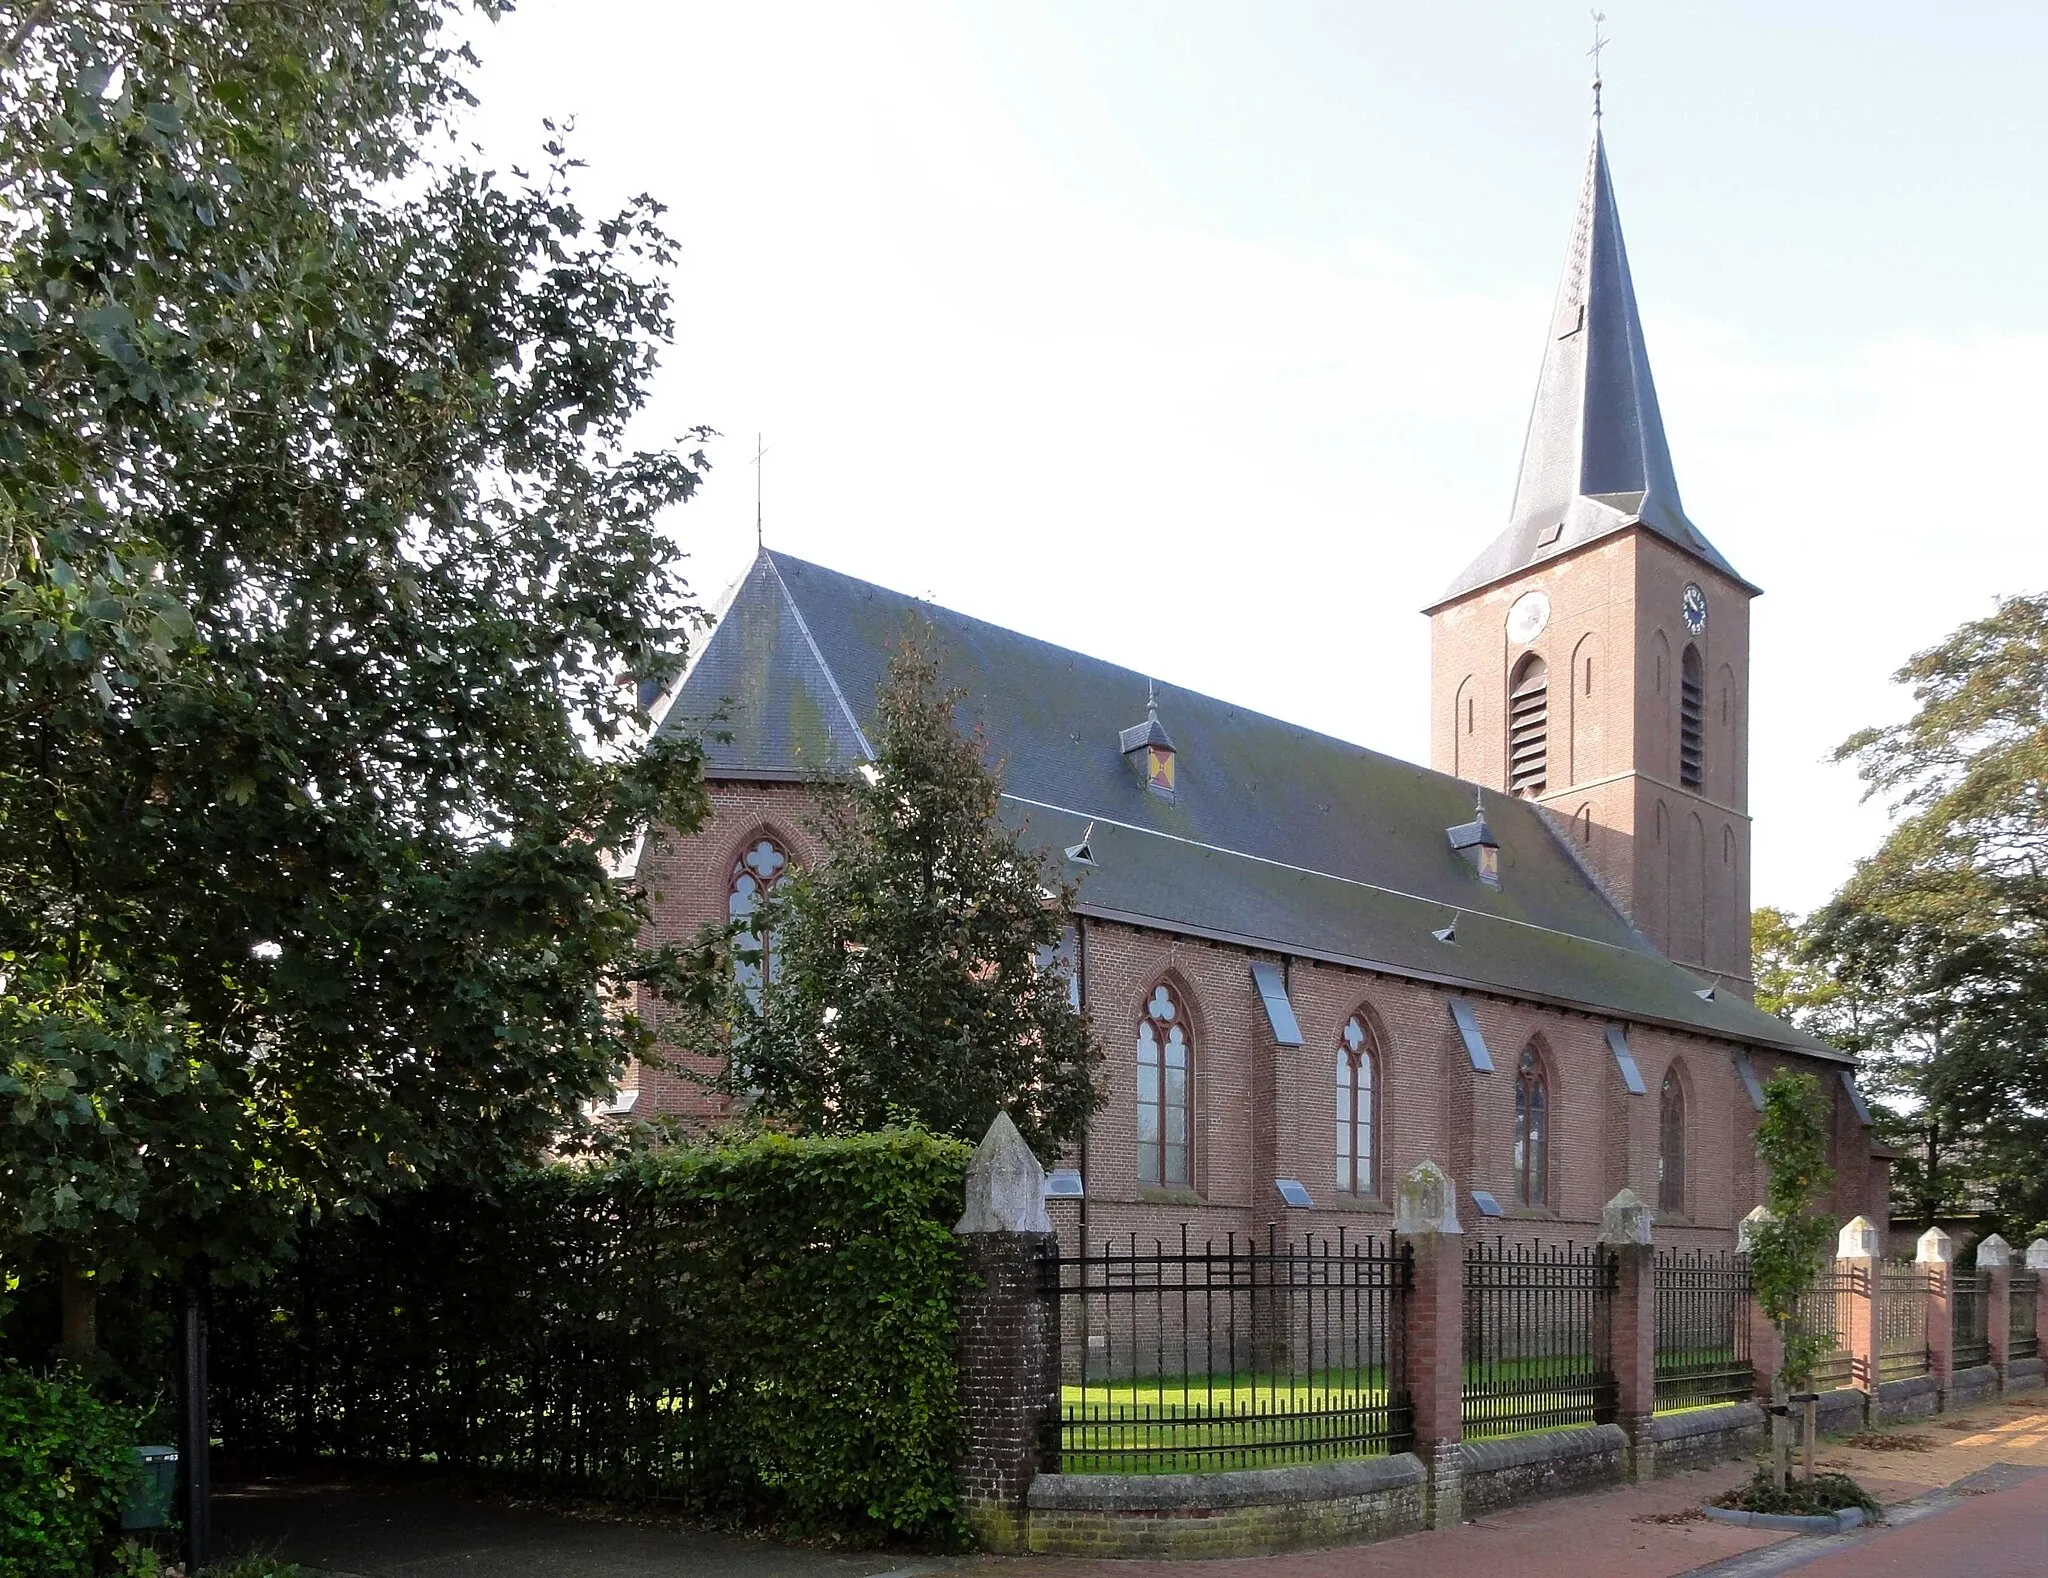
x,y
1595,658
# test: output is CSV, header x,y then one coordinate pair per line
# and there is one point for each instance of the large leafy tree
x,y
912,974
1937,947
324,550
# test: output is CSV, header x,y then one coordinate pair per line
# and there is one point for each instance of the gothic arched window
x,y
1671,1145
1357,1086
1532,1129
755,871
1692,715
1165,1063
1529,727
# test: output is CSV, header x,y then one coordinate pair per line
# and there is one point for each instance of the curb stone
x,y
1790,1523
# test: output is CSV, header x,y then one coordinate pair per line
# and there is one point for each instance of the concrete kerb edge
x,y
1790,1523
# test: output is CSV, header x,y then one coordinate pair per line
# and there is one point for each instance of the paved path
x,y
349,1530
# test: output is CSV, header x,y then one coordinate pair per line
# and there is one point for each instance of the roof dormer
x,y
1147,744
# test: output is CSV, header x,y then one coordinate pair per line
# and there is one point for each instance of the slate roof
x,y
1276,836
1595,460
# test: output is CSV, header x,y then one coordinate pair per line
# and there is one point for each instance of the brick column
x,y
1856,1260
1936,1256
1625,1233
1994,1259
1009,1337
1433,1343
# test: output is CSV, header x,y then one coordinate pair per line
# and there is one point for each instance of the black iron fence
x,y
1901,1321
2023,1343
1178,1358
1968,1307
1536,1337
1702,1328
1823,1311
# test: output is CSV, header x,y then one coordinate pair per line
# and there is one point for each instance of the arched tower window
x,y
1532,1129
1357,1091
1529,727
1692,715
1165,1059
755,872
1671,1145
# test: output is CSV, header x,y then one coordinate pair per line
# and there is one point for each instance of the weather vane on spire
x,y
1599,43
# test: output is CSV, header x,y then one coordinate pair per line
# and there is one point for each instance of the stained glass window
x,y
1532,1130
1671,1145
1356,1068
1165,1058
754,873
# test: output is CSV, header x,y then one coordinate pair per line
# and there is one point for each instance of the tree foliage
x,y
323,551
1787,1247
912,971
1937,947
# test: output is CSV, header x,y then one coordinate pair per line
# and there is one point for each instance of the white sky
x,y
1202,336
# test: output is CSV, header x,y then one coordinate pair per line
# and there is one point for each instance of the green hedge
x,y
67,1462
765,1327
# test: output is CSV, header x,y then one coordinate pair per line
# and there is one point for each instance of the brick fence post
x,y
1433,1346
1009,1337
1936,1255
1994,1260
1856,1262
1766,1350
2037,1262
1625,1233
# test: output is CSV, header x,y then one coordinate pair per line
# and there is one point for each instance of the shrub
x,y
763,1326
1801,1497
67,1462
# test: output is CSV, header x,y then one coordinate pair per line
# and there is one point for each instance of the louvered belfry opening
x,y
1529,727
1692,712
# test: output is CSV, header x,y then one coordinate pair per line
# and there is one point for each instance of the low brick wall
x,y
2023,1375
1974,1385
1700,1436
1498,1474
1918,1397
1247,1513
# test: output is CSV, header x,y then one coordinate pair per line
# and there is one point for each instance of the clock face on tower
x,y
1694,603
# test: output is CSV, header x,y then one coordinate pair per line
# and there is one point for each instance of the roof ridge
x,y
811,641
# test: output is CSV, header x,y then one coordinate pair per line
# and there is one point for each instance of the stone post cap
x,y
1746,1228
1936,1248
1005,1185
1626,1220
1857,1239
1994,1252
1426,1202
2037,1255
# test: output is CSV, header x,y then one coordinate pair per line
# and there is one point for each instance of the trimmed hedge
x,y
67,1462
765,1327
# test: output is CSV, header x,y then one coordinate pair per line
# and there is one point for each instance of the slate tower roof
x,y
1595,460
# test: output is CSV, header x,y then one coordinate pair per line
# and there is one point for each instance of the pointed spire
x,y
1595,460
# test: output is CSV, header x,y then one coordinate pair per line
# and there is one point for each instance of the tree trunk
x,y
79,1334
1781,1421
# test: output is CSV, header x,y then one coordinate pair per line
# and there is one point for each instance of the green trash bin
x,y
156,1486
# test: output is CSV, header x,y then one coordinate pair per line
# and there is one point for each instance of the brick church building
x,y
1311,966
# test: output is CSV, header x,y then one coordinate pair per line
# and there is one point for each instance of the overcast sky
x,y
1202,336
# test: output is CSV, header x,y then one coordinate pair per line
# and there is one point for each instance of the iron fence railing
x,y
1968,1307
1702,1328
2023,1342
1536,1337
1823,1311
1178,1357
1901,1321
